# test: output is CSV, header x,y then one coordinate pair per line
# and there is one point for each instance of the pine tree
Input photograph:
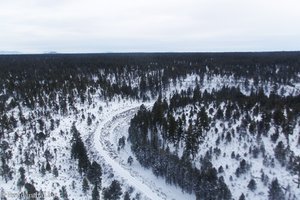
x,y
21,181
172,126
278,117
47,154
242,197
30,189
191,142
228,137
41,195
280,152
275,191
296,169
4,122
252,185
252,127
55,171
94,174
85,185
63,193
89,120
113,192
220,169
130,160
13,121
43,169
228,113
197,93
223,191
202,122
95,193
78,151
48,167
275,136
5,169
126,196
219,114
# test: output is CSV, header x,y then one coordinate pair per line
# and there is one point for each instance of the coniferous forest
x,y
150,126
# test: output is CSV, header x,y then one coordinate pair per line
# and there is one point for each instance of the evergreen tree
x,y
275,136
41,195
95,193
296,169
13,122
130,160
275,191
278,117
208,184
6,170
197,93
204,120
21,181
242,197
252,185
228,137
89,120
126,196
219,114
85,185
55,171
48,167
223,191
191,142
172,126
113,192
47,154
78,151
94,174
30,189
63,193
43,169
280,152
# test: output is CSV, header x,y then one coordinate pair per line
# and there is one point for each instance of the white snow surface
x,y
101,140
103,148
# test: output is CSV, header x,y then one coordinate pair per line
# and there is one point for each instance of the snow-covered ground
x,y
102,146
101,139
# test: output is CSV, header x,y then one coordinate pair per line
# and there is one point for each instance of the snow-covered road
x,y
103,146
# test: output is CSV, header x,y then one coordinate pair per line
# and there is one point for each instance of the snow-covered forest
x,y
150,126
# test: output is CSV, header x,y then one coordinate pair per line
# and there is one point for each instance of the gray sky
x,y
37,26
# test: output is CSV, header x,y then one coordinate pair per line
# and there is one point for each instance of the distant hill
x,y
10,52
51,52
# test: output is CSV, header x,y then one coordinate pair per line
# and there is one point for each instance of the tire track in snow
x,y
103,150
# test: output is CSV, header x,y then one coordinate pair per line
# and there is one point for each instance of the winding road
x,y
102,145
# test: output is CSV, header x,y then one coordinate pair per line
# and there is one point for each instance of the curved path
x,y
102,144
102,150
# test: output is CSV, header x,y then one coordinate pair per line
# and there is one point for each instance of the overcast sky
x,y
37,26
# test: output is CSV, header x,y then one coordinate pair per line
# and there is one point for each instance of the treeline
x,y
55,80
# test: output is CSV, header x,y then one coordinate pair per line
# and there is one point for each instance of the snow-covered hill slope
x,y
39,107
250,142
110,121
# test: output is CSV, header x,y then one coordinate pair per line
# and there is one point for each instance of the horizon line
x,y
3,53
